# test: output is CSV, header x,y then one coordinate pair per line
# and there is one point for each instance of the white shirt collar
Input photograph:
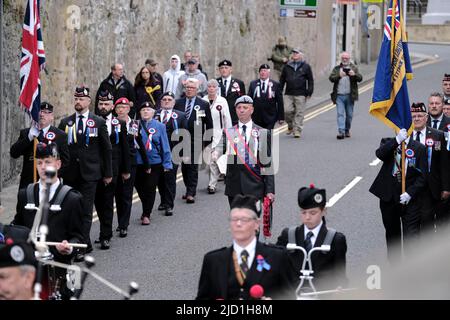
x,y
251,249
438,118
227,78
85,114
248,124
45,130
315,231
53,188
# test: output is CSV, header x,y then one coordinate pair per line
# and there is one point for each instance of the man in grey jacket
x,y
192,71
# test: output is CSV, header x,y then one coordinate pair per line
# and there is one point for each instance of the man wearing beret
x,y
104,196
249,163
90,156
174,120
401,210
446,108
47,133
267,99
248,267
329,267
230,88
17,271
437,191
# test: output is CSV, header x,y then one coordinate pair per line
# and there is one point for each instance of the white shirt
x,y
53,188
85,118
248,129
266,85
108,123
315,231
228,84
164,115
251,249
215,115
438,119
423,134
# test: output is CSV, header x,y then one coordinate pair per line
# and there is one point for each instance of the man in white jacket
x,y
220,114
171,76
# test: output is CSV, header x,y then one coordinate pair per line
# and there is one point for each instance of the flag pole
x,y
403,168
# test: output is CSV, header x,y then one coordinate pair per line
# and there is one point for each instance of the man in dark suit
x,y
249,163
230,88
174,120
328,267
90,156
199,120
437,191
437,119
234,272
24,146
104,196
400,210
267,99
65,224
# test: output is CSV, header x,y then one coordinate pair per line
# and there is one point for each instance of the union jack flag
x,y
32,61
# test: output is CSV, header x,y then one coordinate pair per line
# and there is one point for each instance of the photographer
x,y
345,77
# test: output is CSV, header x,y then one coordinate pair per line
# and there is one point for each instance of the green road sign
x,y
300,3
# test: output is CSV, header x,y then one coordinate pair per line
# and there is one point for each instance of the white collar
x,y
439,118
251,247
248,124
53,187
315,230
85,114
227,78
45,130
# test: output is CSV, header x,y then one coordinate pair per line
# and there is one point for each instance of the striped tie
x,y
244,263
189,108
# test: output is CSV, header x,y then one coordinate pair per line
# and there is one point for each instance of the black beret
x,y
264,66
311,197
225,63
146,104
46,150
247,202
82,92
446,77
447,101
418,107
17,254
105,96
168,93
46,106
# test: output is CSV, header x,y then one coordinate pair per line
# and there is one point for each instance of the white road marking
x,y
375,162
341,193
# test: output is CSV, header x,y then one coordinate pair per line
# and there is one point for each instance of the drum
x,y
51,281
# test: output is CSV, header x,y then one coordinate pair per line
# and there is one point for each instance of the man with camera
x,y
345,77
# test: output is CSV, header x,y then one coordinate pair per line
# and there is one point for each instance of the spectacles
x,y
168,99
243,220
192,88
418,116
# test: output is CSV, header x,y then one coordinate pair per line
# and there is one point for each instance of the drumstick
x,y
75,245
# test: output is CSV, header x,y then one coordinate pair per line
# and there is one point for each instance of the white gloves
x,y
34,132
402,135
405,198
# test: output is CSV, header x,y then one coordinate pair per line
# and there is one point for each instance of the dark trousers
x,y
104,204
167,186
443,214
87,190
190,178
124,199
395,216
146,187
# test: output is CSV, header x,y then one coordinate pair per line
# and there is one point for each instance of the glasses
x,y
418,116
166,99
191,88
243,220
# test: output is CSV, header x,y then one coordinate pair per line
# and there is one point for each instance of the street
x,y
165,257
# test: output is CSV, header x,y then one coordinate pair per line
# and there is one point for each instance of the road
x,y
165,257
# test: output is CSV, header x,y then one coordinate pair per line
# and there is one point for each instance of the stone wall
x,y
429,33
130,31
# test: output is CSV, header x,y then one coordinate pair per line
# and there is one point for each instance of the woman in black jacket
x,y
148,88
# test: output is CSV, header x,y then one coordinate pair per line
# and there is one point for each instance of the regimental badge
x,y
219,108
50,136
115,122
70,123
255,133
17,254
174,115
318,198
90,123
429,142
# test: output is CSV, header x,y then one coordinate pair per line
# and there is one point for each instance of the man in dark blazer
x,y
174,120
199,120
436,117
328,267
235,272
104,196
267,99
90,156
437,191
249,163
387,187
230,88
24,146
64,224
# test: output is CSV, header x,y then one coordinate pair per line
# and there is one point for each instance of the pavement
x,y
321,96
